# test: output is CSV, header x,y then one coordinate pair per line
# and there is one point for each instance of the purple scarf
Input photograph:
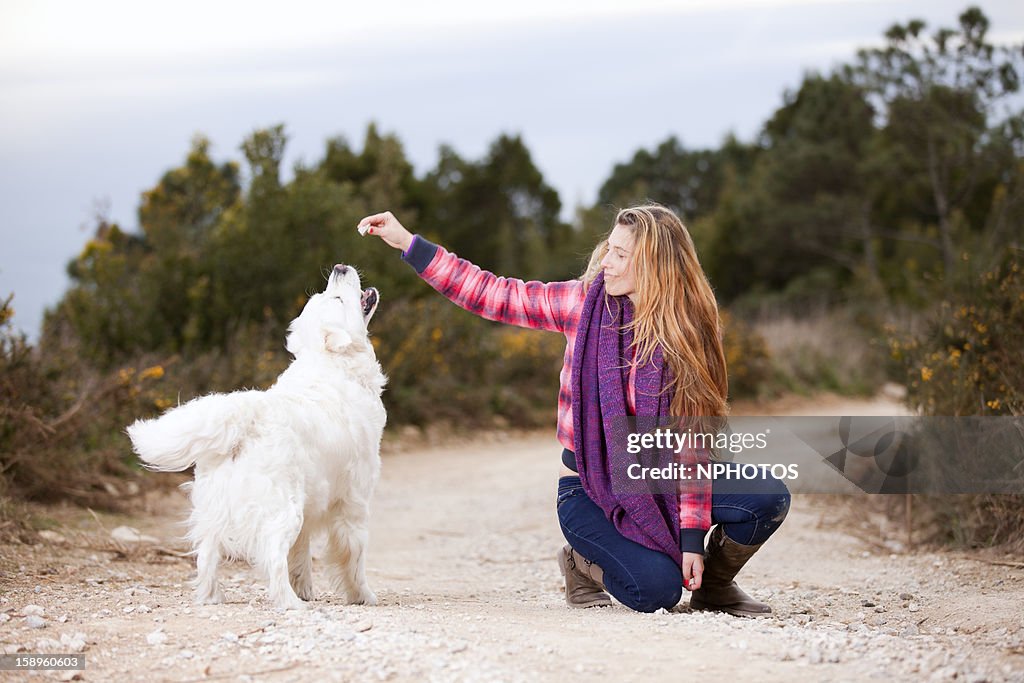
x,y
600,377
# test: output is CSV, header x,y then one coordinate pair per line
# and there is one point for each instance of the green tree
x,y
687,181
177,218
793,214
499,212
936,96
379,177
105,307
817,215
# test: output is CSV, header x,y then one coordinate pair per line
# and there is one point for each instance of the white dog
x,y
275,467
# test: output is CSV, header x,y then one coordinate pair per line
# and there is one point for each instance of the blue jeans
x,y
647,580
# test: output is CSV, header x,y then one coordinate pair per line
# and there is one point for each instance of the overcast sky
x,y
99,98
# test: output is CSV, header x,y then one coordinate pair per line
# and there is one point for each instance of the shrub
x,y
966,360
444,364
819,351
60,423
747,358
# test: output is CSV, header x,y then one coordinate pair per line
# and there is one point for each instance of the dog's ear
x,y
368,302
336,339
299,337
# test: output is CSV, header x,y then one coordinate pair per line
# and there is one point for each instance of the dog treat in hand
x,y
363,229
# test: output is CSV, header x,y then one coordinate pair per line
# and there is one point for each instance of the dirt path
x,y
462,558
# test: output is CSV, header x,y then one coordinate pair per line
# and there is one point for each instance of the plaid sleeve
x,y
533,304
694,503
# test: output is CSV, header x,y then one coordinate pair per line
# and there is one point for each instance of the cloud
x,y
52,33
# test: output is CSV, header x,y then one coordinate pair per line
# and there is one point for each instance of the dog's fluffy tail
x,y
202,431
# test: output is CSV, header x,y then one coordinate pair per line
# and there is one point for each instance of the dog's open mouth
x,y
369,300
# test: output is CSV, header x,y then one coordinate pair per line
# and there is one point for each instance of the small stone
x,y
363,626
157,637
31,610
906,596
4,617
47,645
866,603
34,621
73,643
127,534
945,674
52,537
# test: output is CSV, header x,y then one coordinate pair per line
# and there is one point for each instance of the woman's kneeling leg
x,y
642,579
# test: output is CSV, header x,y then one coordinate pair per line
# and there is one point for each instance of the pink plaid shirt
x,y
552,306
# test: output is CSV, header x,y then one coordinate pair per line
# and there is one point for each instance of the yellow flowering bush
x,y
968,359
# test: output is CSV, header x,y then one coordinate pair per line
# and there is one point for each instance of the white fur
x,y
274,468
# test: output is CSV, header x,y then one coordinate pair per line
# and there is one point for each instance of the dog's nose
x,y
340,269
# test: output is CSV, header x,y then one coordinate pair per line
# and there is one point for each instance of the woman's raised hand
x,y
387,227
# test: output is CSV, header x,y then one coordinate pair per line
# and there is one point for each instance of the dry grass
x,y
891,523
825,350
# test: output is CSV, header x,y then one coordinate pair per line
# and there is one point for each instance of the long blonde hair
x,y
675,308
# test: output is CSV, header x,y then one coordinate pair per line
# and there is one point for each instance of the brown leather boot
x,y
718,592
583,586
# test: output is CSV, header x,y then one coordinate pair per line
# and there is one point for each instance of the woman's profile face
x,y
617,264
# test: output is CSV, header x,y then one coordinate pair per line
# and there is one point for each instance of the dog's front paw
x,y
292,604
212,597
304,589
365,596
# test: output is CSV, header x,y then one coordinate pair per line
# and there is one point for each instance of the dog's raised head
x,y
334,320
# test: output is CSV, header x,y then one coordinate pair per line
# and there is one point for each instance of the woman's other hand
x,y
693,569
387,227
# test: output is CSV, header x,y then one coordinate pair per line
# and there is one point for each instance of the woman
x,y
663,358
